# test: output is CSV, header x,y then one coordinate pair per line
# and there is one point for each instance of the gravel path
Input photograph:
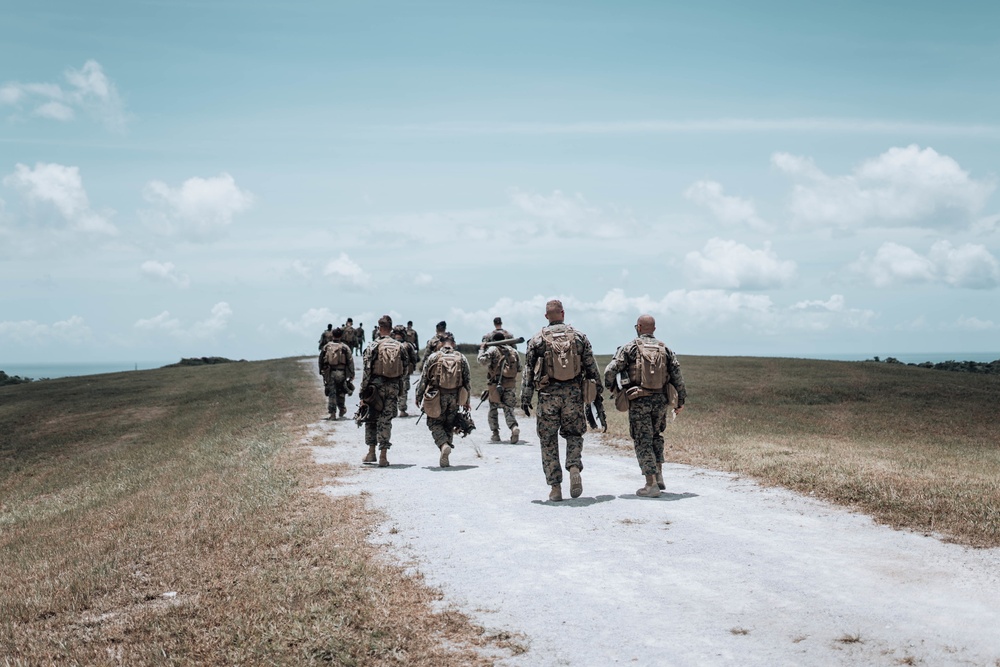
x,y
718,571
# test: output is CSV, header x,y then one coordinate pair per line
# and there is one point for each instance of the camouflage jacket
x,y
429,381
534,364
488,337
493,357
624,360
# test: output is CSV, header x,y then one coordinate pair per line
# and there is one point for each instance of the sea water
x,y
52,371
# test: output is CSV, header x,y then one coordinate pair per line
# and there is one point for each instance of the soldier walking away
x,y
326,336
502,364
443,391
497,328
558,362
645,373
381,383
412,338
410,362
350,334
359,338
434,342
336,365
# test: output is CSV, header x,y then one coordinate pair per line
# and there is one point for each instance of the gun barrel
x,y
505,341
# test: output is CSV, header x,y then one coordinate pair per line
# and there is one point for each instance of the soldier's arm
x,y
590,369
485,356
676,378
366,365
466,377
528,375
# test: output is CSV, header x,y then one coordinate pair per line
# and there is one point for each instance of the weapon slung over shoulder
x,y
505,341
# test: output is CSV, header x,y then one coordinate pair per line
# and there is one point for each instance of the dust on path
x,y
718,571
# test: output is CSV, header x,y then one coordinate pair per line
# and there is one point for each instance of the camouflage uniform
x,y
441,428
433,345
359,340
349,336
410,361
335,379
488,337
493,358
325,338
647,415
412,338
378,429
560,404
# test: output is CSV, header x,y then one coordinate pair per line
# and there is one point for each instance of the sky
x,y
225,178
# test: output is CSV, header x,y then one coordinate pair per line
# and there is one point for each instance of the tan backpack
x,y
336,354
349,335
513,365
562,358
449,369
389,359
651,371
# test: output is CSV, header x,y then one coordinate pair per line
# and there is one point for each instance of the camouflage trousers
x,y
508,400
378,429
560,412
441,427
647,419
335,385
403,393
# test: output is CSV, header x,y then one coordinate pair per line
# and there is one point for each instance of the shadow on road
x,y
440,469
574,502
663,497
391,466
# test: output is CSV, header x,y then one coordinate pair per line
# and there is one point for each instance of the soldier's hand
x,y
678,408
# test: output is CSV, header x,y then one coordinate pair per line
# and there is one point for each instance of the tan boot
x,y
575,482
445,451
651,490
383,459
555,494
370,456
495,437
343,413
659,477
515,435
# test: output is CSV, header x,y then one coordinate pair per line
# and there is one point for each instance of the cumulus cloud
x,y
964,323
731,265
199,207
62,187
87,89
345,270
726,208
311,322
562,214
968,266
205,329
164,271
902,187
32,332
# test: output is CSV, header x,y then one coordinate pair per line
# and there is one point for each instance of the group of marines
x,y
644,377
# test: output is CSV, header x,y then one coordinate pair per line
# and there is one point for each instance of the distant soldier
x,y
410,361
649,375
558,361
412,338
434,342
497,328
326,336
502,364
444,388
359,338
350,334
381,383
337,368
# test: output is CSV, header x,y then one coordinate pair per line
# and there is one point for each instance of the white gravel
x,y
719,571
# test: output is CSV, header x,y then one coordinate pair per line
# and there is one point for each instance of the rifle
x,y
483,397
505,341
419,417
595,413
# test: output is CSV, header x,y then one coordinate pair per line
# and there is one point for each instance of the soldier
x,y
326,336
359,338
434,342
502,365
558,361
337,368
350,334
497,328
443,389
412,338
381,383
410,362
648,372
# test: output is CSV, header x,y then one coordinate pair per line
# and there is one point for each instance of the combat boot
x,y
659,477
555,494
370,456
445,451
515,435
383,457
404,413
575,482
495,437
651,490
343,413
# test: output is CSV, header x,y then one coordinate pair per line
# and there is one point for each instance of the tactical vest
x,y
562,358
388,360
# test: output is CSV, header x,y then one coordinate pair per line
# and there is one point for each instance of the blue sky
x,y
181,179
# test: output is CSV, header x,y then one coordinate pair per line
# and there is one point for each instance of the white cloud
x,y
312,322
731,265
902,187
200,207
573,215
88,89
423,279
70,330
972,324
345,270
61,187
728,209
206,329
968,266
164,271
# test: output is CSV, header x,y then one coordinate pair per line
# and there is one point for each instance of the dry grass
x,y
168,516
914,448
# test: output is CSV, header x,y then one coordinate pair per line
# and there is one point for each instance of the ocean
x,y
52,371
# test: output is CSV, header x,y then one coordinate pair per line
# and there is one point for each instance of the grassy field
x,y
169,516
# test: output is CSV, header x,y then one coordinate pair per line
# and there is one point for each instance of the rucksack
x,y
336,354
389,359
449,369
349,335
562,358
651,370
411,337
513,364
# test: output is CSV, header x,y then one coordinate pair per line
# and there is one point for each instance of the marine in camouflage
x,y
492,358
378,429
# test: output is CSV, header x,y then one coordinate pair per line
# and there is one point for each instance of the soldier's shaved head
x,y
385,323
645,324
554,310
